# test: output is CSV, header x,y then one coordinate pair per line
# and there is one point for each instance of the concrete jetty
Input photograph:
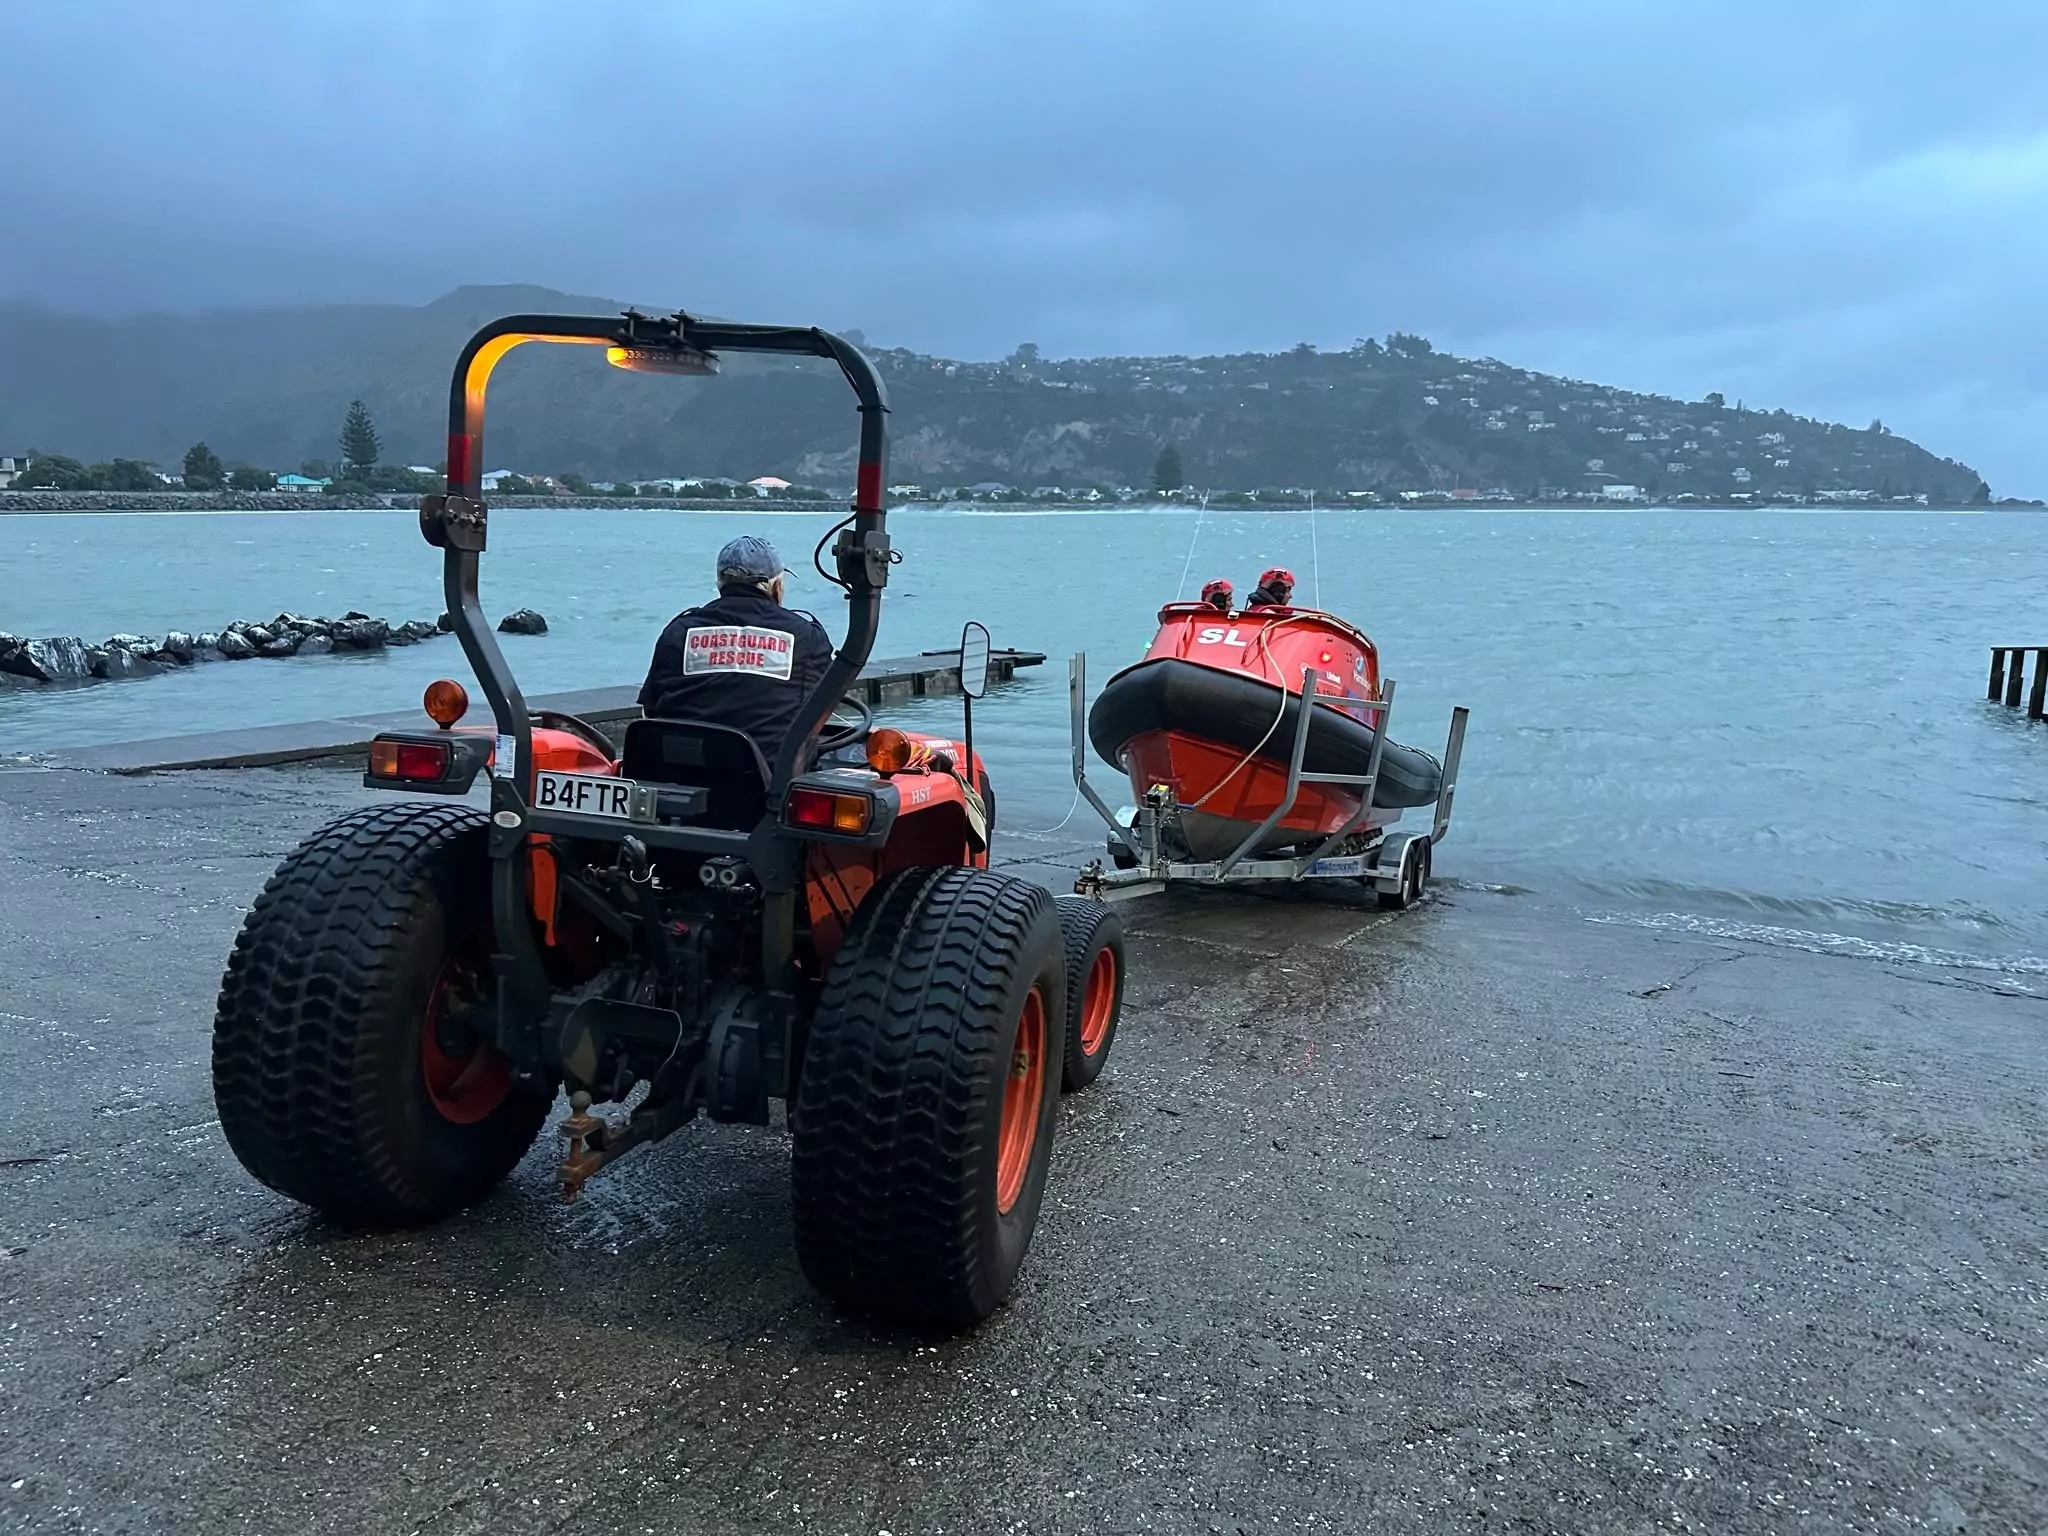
x,y
881,682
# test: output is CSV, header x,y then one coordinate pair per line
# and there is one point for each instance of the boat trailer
x,y
1395,864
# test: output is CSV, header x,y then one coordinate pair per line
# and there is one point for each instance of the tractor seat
x,y
720,759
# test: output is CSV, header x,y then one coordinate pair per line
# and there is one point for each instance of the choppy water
x,y
1763,718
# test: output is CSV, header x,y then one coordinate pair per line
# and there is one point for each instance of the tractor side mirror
x,y
974,660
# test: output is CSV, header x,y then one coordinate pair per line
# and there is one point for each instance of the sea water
x,y
1767,719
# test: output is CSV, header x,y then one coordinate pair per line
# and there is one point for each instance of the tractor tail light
x,y
409,762
823,811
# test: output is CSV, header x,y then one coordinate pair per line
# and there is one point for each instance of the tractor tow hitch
x,y
585,1152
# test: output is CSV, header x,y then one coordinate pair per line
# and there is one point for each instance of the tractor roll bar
x,y
680,343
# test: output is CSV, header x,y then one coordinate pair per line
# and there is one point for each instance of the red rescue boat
x,y
1212,714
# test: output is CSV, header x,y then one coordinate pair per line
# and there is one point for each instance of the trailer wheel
x,y
341,1077
1094,938
1408,879
923,1121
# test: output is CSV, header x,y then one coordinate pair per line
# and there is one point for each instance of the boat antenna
x,y
1315,557
1188,563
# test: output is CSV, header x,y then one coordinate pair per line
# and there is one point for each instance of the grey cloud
x,y
1836,207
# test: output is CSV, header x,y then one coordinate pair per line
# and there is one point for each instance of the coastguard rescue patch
x,y
761,652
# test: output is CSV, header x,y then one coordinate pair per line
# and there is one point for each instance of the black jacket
x,y
744,661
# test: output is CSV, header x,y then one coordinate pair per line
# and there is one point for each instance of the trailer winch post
x,y
1077,729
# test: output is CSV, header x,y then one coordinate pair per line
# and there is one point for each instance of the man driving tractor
x,y
743,660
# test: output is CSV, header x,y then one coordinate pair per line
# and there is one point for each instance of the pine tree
x,y
203,470
1166,470
359,446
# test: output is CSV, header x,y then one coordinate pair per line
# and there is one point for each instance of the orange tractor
x,y
674,925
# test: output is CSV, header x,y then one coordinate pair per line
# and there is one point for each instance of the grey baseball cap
x,y
747,558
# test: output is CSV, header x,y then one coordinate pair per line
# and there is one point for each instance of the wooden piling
x,y
1997,688
2037,701
2015,677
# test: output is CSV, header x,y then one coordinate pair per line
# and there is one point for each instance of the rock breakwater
x,y
65,659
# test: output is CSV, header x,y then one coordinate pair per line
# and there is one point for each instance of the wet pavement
x,y
1483,1217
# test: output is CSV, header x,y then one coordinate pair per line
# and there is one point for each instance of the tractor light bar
x,y
676,357
821,810
409,762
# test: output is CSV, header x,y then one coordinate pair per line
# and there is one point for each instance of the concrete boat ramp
x,y
1482,1217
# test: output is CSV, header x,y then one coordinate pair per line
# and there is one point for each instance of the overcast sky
x,y
1837,206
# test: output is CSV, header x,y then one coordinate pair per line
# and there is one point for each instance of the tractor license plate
x,y
584,794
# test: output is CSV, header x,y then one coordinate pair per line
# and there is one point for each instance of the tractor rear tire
x,y
334,1084
1093,935
923,1122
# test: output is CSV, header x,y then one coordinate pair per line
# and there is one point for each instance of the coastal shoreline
x,y
194,503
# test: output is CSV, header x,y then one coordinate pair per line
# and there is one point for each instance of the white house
x,y
12,468
768,485
302,483
1622,492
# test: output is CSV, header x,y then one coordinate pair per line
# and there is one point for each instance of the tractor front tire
x,y
333,1071
923,1123
1093,936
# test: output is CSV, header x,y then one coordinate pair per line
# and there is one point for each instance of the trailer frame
x,y
1394,863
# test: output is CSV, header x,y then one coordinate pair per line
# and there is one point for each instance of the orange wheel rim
x,y
1098,1002
466,1082
1023,1092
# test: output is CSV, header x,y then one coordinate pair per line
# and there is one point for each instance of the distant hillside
x,y
270,387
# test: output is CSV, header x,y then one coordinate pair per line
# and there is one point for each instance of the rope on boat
x,y
1188,564
1265,654
1072,807
1315,555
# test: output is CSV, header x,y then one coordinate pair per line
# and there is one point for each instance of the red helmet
x,y
1218,588
1277,578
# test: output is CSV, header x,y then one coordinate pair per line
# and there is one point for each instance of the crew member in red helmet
x,y
1219,594
1275,590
